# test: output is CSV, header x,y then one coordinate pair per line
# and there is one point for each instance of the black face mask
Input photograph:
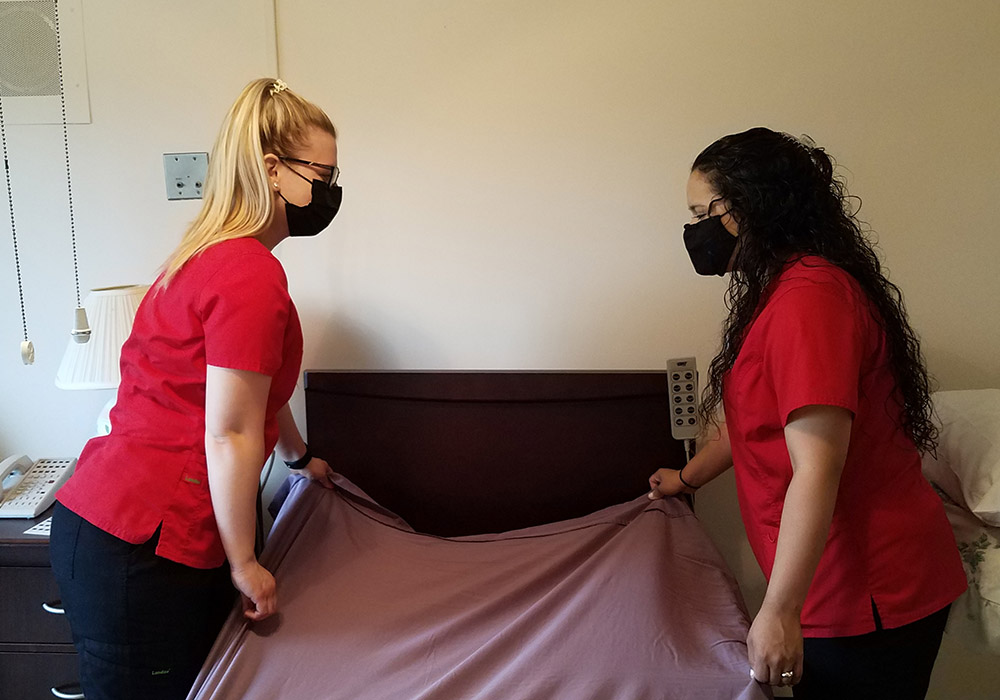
x,y
317,215
709,245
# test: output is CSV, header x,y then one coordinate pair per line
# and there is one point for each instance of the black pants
x,y
895,663
142,625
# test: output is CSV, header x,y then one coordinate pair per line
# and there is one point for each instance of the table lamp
x,y
95,364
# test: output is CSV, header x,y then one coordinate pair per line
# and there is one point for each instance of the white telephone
x,y
30,487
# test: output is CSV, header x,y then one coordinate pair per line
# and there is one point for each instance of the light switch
x,y
185,174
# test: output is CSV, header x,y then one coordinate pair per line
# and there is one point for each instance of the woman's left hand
x,y
775,647
319,470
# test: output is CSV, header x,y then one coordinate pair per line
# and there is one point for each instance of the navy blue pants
x,y
887,663
142,625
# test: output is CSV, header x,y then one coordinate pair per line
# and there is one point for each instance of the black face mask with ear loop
x,y
317,215
709,245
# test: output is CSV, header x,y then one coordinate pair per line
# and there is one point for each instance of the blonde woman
x,y
157,524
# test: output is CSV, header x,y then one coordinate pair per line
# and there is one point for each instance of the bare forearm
x,y
234,463
714,457
817,438
805,526
290,445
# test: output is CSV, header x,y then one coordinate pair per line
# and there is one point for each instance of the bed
x,y
489,537
965,471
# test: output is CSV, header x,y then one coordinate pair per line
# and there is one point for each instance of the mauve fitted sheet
x,y
631,602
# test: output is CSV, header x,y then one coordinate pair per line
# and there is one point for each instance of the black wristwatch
x,y
302,461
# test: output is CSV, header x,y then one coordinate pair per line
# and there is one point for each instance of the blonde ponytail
x,y
267,117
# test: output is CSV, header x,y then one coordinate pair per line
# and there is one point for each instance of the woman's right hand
x,y
666,482
257,589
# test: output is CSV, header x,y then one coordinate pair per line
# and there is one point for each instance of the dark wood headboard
x,y
459,453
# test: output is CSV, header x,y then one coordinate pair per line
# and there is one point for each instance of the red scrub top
x,y
815,342
227,307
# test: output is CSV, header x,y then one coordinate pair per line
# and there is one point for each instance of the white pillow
x,y
969,447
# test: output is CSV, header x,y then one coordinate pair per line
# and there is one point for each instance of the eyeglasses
x,y
708,211
332,171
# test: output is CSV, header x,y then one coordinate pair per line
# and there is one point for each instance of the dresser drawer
x,y
32,676
22,617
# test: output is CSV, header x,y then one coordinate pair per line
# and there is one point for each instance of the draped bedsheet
x,y
631,602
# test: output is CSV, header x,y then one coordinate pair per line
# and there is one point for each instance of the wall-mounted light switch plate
x,y
185,174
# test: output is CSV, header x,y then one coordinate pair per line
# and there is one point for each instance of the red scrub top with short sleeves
x,y
227,307
815,341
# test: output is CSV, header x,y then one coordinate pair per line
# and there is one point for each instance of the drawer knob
x,y
69,691
56,608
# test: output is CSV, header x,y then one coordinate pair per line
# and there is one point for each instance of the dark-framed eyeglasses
x,y
332,171
708,211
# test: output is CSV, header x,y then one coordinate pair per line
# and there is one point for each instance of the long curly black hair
x,y
787,202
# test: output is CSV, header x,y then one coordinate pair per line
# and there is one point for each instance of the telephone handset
x,y
30,487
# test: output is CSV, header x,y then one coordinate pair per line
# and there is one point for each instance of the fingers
x,y
774,648
257,591
250,609
257,615
319,470
787,677
797,671
774,675
761,673
776,668
326,481
260,609
654,485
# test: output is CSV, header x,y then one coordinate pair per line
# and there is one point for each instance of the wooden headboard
x,y
459,453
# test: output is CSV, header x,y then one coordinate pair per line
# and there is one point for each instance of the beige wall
x,y
161,76
514,170
514,175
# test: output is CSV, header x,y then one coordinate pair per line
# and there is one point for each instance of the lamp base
x,y
104,417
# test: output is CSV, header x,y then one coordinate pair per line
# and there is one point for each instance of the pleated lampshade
x,y
94,364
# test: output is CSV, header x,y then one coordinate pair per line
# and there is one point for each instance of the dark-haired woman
x,y
827,409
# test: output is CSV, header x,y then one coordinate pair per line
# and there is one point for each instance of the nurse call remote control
x,y
682,391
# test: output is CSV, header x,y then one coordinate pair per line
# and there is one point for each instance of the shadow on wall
x,y
339,341
952,371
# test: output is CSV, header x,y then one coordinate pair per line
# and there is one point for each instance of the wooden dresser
x,y
37,658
